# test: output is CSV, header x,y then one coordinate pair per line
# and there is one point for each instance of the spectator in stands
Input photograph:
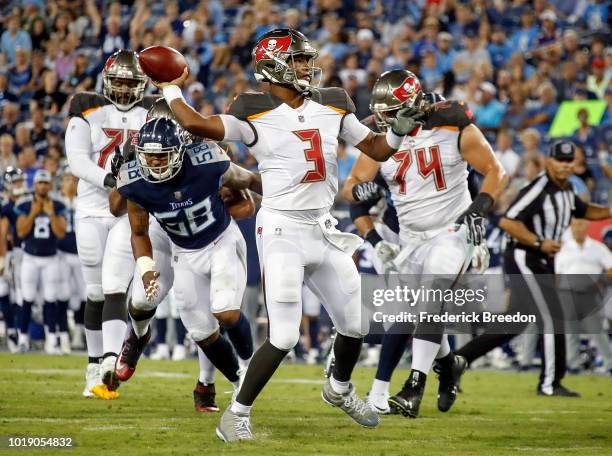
x,y
38,33
5,94
79,79
365,40
468,59
7,152
66,58
50,98
490,113
20,74
585,135
23,136
525,37
38,130
26,160
13,38
530,140
548,31
112,40
10,118
566,84
509,159
596,14
569,44
499,49
582,171
597,82
542,116
446,53
431,74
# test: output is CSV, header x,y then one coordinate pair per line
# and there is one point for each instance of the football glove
x,y
386,251
481,258
367,191
407,121
116,162
110,181
475,218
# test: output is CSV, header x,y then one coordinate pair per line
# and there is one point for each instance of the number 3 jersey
x,y
91,145
188,207
427,176
40,241
296,148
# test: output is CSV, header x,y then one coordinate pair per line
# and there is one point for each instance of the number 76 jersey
x,y
427,176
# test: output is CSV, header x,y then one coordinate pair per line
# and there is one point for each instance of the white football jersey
x,y
297,148
427,176
109,128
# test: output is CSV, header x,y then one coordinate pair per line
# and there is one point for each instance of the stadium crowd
x,y
513,62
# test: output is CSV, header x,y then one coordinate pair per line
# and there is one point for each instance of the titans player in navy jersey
x,y
40,224
179,185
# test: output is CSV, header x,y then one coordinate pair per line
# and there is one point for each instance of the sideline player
x,y
439,224
293,132
179,185
40,223
100,123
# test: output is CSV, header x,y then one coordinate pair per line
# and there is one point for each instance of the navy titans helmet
x,y
12,175
159,151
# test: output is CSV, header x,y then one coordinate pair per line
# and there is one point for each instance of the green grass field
x,y
498,414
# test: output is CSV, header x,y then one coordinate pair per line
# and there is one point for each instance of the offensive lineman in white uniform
x,y
293,132
439,223
98,125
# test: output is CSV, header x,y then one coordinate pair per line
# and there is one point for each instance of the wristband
x,y
393,139
482,204
171,93
373,237
145,264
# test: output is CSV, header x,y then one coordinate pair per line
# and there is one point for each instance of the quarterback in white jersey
x,y
439,223
293,132
98,125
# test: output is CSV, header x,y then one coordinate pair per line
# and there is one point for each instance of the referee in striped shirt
x,y
535,221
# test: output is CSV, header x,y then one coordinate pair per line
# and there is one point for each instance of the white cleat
x,y
92,379
179,352
234,427
51,347
312,357
23,343
161,352
64,342
379,402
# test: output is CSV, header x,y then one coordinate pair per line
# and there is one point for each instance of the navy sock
x,y
50,315
391,351
221,355
240,335
181,331
161,325
25,315
62,316
313,332
79,315
7,312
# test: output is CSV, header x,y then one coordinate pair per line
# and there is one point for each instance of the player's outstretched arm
x,y
142,248
207,127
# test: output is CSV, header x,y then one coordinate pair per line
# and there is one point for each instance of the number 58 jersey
x,y
297,148
108,128
427,176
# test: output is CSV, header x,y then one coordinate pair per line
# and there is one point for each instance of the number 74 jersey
x,y
427,176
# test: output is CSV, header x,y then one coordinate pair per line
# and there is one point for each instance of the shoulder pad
x,y
205,152
334,97
23,200
129,173
247,106
449,114
83,102
148,101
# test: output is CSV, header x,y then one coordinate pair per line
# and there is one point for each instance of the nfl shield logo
x,y
178,195
328,224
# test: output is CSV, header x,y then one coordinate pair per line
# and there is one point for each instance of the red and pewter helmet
x,y
123,79
392,91
273,59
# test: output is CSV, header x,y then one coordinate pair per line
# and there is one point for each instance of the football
x,y
162,63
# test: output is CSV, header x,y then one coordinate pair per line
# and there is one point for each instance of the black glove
x,y
406,121
110,181
116,162
475,218
367,191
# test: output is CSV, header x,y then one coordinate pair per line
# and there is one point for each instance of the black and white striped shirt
x,y
545,208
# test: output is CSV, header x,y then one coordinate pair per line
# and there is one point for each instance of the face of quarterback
x,y
301,66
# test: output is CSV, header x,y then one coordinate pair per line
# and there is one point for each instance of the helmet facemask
x,y
170,161
394,90
123,80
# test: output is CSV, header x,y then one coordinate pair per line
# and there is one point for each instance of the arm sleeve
x,y
237,130
353,132
580,207
78,152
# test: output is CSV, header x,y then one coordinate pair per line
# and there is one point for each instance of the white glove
x,y
481,258
386,251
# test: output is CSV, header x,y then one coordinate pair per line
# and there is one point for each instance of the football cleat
x,y
408,400
107,372
234,427
179,352
379,402
102,392
449,382
92,378
204,398
130,354
161,352
23,343
64,342
350,404
557,391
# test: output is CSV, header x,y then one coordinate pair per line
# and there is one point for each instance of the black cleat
x,y
408,400
204,398
130,353
558,391
449,382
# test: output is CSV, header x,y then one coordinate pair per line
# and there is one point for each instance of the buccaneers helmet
x,y
123,79
392,91
159,151
273,59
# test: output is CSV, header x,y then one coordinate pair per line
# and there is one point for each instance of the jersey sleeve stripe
x,y
338,110
527,198
448,127
257,116
90,110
